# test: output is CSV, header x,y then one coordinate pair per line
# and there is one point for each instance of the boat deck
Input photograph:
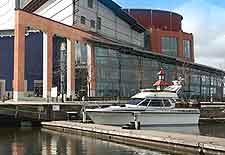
x,y
166,141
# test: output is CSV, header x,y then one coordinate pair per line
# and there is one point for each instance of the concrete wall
x,y
7,14
58,10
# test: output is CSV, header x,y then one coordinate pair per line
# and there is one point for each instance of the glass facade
x,y
202,85
81,53
116,73
124,74
150,69
169,46
187,49
81,68
120,74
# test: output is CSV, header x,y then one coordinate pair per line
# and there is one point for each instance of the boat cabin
x,y
152,102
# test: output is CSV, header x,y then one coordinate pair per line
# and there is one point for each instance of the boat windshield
x,y
135,101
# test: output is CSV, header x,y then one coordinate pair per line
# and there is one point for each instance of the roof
x,y
161,83
123,15
35,4
161,72
161,94
154,10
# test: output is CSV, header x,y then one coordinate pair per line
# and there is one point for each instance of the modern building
x,y
108,53
165,33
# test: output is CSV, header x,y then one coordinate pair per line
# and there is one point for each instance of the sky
x,y
204,18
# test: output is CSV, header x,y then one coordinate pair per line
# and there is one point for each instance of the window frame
x,y
169,45
91,4
83,20
168,102
140,104
150,105
99,23
92,24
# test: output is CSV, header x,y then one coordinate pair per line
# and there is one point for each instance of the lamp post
x,y
62,67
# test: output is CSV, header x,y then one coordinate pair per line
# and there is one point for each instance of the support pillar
x,y
91,79
70,68
19,59
47,64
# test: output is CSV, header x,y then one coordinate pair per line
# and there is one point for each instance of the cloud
x,y
206,21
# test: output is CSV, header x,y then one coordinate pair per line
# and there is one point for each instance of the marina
x,y
112,77
166,141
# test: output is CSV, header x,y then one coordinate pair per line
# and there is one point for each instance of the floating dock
x,y
175,143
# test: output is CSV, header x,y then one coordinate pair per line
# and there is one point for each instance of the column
x,y
47,64
19,59
70,68
91,79
180,50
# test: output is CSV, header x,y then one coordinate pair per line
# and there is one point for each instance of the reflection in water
x,y
17,149
213,129
44,142
35,141
204,129
67,144
187,129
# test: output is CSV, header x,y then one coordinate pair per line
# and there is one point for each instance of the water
x,y
36,141
28,141
204,129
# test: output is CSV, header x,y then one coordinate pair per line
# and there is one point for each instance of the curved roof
x,y
155,10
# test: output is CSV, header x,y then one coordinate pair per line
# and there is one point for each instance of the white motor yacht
x,y
149,107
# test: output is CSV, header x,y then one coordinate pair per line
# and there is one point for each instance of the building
x,y
107,53
165,33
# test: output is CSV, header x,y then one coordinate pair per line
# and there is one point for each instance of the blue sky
x,y
162,4
204,18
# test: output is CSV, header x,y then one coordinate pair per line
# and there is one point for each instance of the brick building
x,y
165,33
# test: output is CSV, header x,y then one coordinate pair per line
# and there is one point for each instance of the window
x,y
83,20
145,102
187,48
93,24
169,46
166,103
81,53
134,101
90,3
156,103
99,23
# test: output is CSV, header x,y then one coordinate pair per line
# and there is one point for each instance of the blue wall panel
x,y
6,61
33,59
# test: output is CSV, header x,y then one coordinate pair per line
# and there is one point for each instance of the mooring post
x,y
84,114
137,124
84,118
16,114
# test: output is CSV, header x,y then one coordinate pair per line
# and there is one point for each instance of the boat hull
x,y
145,118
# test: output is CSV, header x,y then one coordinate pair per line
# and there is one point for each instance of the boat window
x,y
166,103
156,103
135,101
145,102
